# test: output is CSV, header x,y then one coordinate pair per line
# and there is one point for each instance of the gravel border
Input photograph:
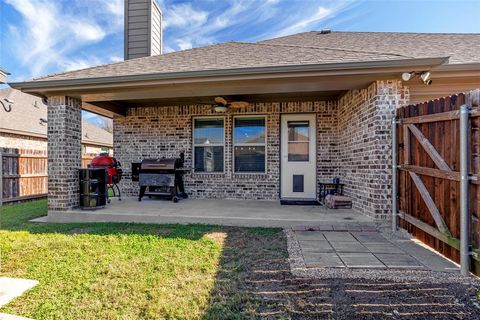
x,y
299,268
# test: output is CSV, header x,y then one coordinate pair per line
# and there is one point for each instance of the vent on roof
x,y
325,31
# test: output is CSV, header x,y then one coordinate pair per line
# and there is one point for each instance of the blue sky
x,y
39,37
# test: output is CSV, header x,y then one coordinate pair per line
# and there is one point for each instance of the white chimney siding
x,y
143,29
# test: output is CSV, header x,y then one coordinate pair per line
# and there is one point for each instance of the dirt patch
x,y
218,237
255,282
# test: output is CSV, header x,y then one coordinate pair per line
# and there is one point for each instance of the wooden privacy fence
x,y
428,142
24,173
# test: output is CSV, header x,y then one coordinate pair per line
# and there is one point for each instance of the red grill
x,y
113,170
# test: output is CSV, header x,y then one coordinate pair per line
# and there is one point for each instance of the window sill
x,y
249,174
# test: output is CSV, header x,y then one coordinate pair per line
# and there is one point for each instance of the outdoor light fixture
x,y
425,76
408,75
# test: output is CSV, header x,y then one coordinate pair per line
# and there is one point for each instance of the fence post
x,y
1,176
464,185
394,174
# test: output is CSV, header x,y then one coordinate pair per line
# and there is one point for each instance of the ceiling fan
x,y
222,105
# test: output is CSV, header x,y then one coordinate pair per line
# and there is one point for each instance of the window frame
x,y
264,144
211,145
299,141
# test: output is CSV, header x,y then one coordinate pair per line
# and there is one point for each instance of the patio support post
x,y
64,152
394,174
464,185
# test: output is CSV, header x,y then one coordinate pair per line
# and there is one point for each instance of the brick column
x,y
64,152
390,95
364,142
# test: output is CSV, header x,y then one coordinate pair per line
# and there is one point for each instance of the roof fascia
x,y
334,69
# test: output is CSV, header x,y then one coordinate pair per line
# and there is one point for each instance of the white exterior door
x,y
298,157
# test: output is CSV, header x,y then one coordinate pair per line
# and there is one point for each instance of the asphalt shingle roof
x,y
299,49
461,47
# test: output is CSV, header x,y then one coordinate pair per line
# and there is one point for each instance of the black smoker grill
x,y
160,177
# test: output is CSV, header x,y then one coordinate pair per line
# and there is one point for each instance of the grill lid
x,y
158,164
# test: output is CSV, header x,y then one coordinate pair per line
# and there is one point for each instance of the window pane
x,y
298,151
249,159
298,130
208,131
209,159
249,130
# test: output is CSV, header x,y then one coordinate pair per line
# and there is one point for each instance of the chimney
x,y
143,29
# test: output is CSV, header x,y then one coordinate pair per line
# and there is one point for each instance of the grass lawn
x,y
131,271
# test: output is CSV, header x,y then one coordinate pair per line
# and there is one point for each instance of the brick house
x,y
320,106
25,125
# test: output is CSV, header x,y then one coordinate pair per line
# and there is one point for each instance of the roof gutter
x,y
203,75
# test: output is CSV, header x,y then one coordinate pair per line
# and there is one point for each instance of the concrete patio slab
x,y
382,248
316,246
399,260
367,250
360,260
349,247
369,237
309,235
325,260
427,257
11,288
218,212
339,237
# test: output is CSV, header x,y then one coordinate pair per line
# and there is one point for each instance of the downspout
x,y
394,174
464,196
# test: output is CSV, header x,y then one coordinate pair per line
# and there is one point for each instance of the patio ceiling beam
x,y
297,85
107,109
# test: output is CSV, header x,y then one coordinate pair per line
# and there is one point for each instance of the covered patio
x,y
347,118
217,212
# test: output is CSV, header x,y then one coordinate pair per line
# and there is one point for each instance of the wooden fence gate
x,y
429,178
24,173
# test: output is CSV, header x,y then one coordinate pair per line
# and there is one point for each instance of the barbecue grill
x,y
113,170
160,177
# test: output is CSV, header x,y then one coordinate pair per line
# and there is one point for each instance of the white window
x,y
249,144
208,144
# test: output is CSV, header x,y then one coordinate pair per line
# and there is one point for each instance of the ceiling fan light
x,y
220,109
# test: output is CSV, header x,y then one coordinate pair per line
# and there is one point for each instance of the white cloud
x,y
302,25
115,7
184,15
75,64
184,44
86,31
115,59
52,33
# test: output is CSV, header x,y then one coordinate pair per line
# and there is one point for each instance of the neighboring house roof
x,y
3,76
91,134
299,49
27,112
